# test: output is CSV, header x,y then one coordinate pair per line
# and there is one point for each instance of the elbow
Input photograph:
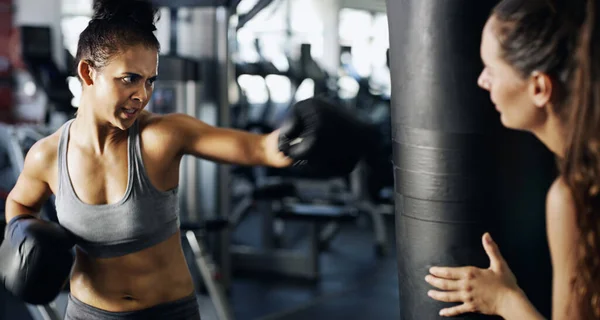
x,y
14,209
10,209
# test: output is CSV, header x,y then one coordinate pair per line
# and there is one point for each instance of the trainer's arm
x,y
225,145
519,307
31,190
563,237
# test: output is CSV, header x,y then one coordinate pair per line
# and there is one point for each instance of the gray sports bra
x,y
144,217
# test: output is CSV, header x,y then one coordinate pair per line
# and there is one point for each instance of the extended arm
x,y
225,145
316,133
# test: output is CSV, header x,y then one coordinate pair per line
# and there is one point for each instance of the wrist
x,y
266,154
516,305
271,155
510,298
12,223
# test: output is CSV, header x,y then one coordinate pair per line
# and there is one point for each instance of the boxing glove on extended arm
x,y
35,259
328,139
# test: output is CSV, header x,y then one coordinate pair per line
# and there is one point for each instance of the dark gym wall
x,y
458,172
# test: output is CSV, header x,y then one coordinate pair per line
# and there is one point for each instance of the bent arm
x,y
563,237
31,190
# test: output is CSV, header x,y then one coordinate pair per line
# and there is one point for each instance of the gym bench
x,y
288,262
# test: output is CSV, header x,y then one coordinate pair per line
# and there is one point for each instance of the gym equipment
x,y
374,106
312,70
195,235
458,172
307,68
265,119
211,19
280,199
355,196
36,52
323,219
255,117
271,204
180,89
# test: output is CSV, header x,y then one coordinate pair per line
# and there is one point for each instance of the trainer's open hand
x,y
275,157
480,290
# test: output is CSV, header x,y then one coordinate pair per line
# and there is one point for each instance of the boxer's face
x,y
510,92
124,86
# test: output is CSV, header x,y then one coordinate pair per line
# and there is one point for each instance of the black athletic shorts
x,y
183,309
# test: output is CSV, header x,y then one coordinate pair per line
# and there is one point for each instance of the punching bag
x,y
458,172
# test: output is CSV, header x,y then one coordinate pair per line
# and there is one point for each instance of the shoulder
x,y
559,201
561,220
168,125
151,124
167,131
162,122
43,155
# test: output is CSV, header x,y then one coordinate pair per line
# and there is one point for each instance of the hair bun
x,y
142,12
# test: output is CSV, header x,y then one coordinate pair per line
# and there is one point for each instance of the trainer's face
x,y
125,85
509,91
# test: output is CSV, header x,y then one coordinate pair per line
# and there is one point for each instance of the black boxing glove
x,y
35,259
326,138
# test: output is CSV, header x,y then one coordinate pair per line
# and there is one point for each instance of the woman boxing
x,y
114,170
541,63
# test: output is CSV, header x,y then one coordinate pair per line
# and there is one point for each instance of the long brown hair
x,y
561,39
581,165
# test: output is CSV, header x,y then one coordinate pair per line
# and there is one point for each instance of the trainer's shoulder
x,y
561,211
560,197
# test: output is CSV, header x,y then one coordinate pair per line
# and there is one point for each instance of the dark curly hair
x,y
561,39
116,25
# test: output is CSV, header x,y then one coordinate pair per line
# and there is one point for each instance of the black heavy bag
x,y
457,171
